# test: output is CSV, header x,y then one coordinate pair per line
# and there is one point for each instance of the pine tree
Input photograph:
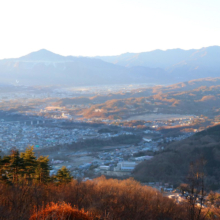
x,y
63,175
15,167
30,163
43,169
3,169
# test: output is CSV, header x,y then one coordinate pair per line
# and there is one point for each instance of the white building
x,y
125,166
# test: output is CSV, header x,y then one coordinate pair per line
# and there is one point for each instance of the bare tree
x,y
196,195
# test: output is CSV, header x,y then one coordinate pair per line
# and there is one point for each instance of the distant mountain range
x,y
158,67
46,68
169,59
181,65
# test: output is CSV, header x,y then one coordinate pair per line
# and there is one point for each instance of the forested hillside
x,y
28,192
172,164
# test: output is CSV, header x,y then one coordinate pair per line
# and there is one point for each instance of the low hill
x,y
172,164
193,97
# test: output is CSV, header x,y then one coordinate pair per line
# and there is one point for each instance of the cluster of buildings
x,y
112,161
115,161
163,187
123,168
23,134
178,121
20,135
178,138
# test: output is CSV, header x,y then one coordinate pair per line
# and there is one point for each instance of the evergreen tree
x,y
3,169
15,167
43,169
63,175
30,163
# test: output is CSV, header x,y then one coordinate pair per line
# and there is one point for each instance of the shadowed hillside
x,y
172,164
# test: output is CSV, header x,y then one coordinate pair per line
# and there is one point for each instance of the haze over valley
x,y
110,110
156,67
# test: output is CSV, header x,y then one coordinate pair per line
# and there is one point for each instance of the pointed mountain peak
x,y
42,55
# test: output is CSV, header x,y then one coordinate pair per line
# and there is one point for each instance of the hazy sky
x,y
106,27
